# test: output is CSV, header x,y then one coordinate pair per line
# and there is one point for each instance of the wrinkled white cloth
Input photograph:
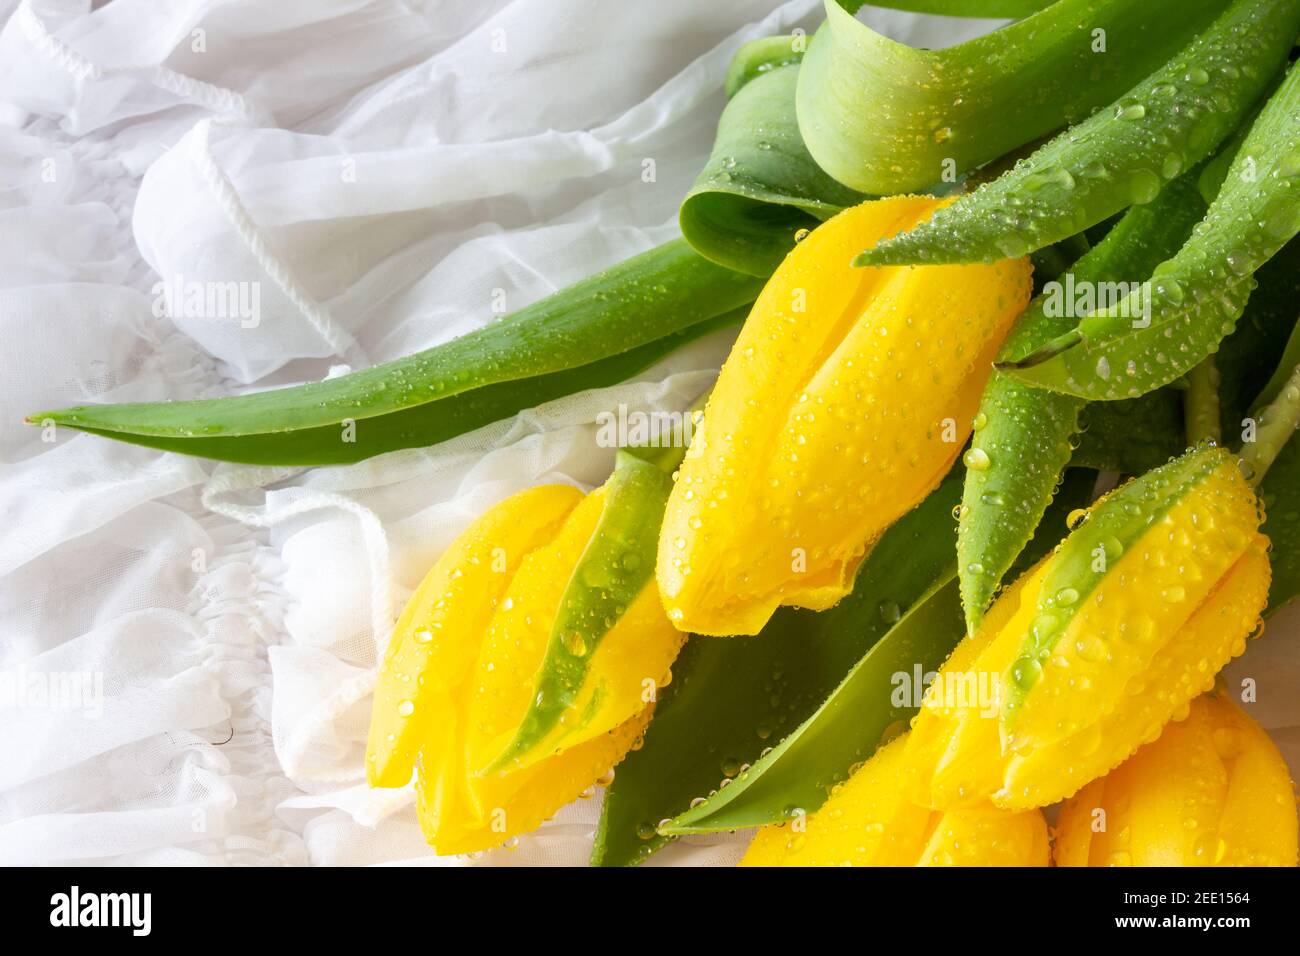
x,y
386,175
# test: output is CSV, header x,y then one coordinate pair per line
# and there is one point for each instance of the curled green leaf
x,y
883,118
761,56
760,187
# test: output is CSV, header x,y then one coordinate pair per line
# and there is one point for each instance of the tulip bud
x,y
868,821
844,401
1211,791
517,674
1094,650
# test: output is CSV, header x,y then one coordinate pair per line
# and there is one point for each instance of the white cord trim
x,y
229,202
219,99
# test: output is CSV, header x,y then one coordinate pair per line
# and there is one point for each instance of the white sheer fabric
x,y
384,173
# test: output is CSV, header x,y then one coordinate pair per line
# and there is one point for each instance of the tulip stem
x,y
1201,404
1275,423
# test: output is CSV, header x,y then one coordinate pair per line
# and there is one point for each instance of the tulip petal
x,y
1126,586
518,635
869,822
461,809
1184,667
462,813
844,401
1166,581
610,643
1211,791
437,637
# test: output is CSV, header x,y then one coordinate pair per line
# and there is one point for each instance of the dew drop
x,y
1025,672
1144,186
575,644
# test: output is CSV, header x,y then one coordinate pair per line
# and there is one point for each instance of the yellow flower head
x,y
844,401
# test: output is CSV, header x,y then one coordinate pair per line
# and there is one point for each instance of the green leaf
x,y
730,698
1120,156
594,333
1132,436
760,186
859,714
1135,435
799,772
761,56
884,118
1025,436
1197,296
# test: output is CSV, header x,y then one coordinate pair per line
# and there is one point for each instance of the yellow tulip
x,y
1093,651
461,677
868,821
1211,791
843,402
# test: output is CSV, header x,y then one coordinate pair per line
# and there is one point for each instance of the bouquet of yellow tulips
x,y
517,683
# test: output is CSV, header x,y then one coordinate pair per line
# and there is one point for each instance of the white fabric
x,y
384,173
